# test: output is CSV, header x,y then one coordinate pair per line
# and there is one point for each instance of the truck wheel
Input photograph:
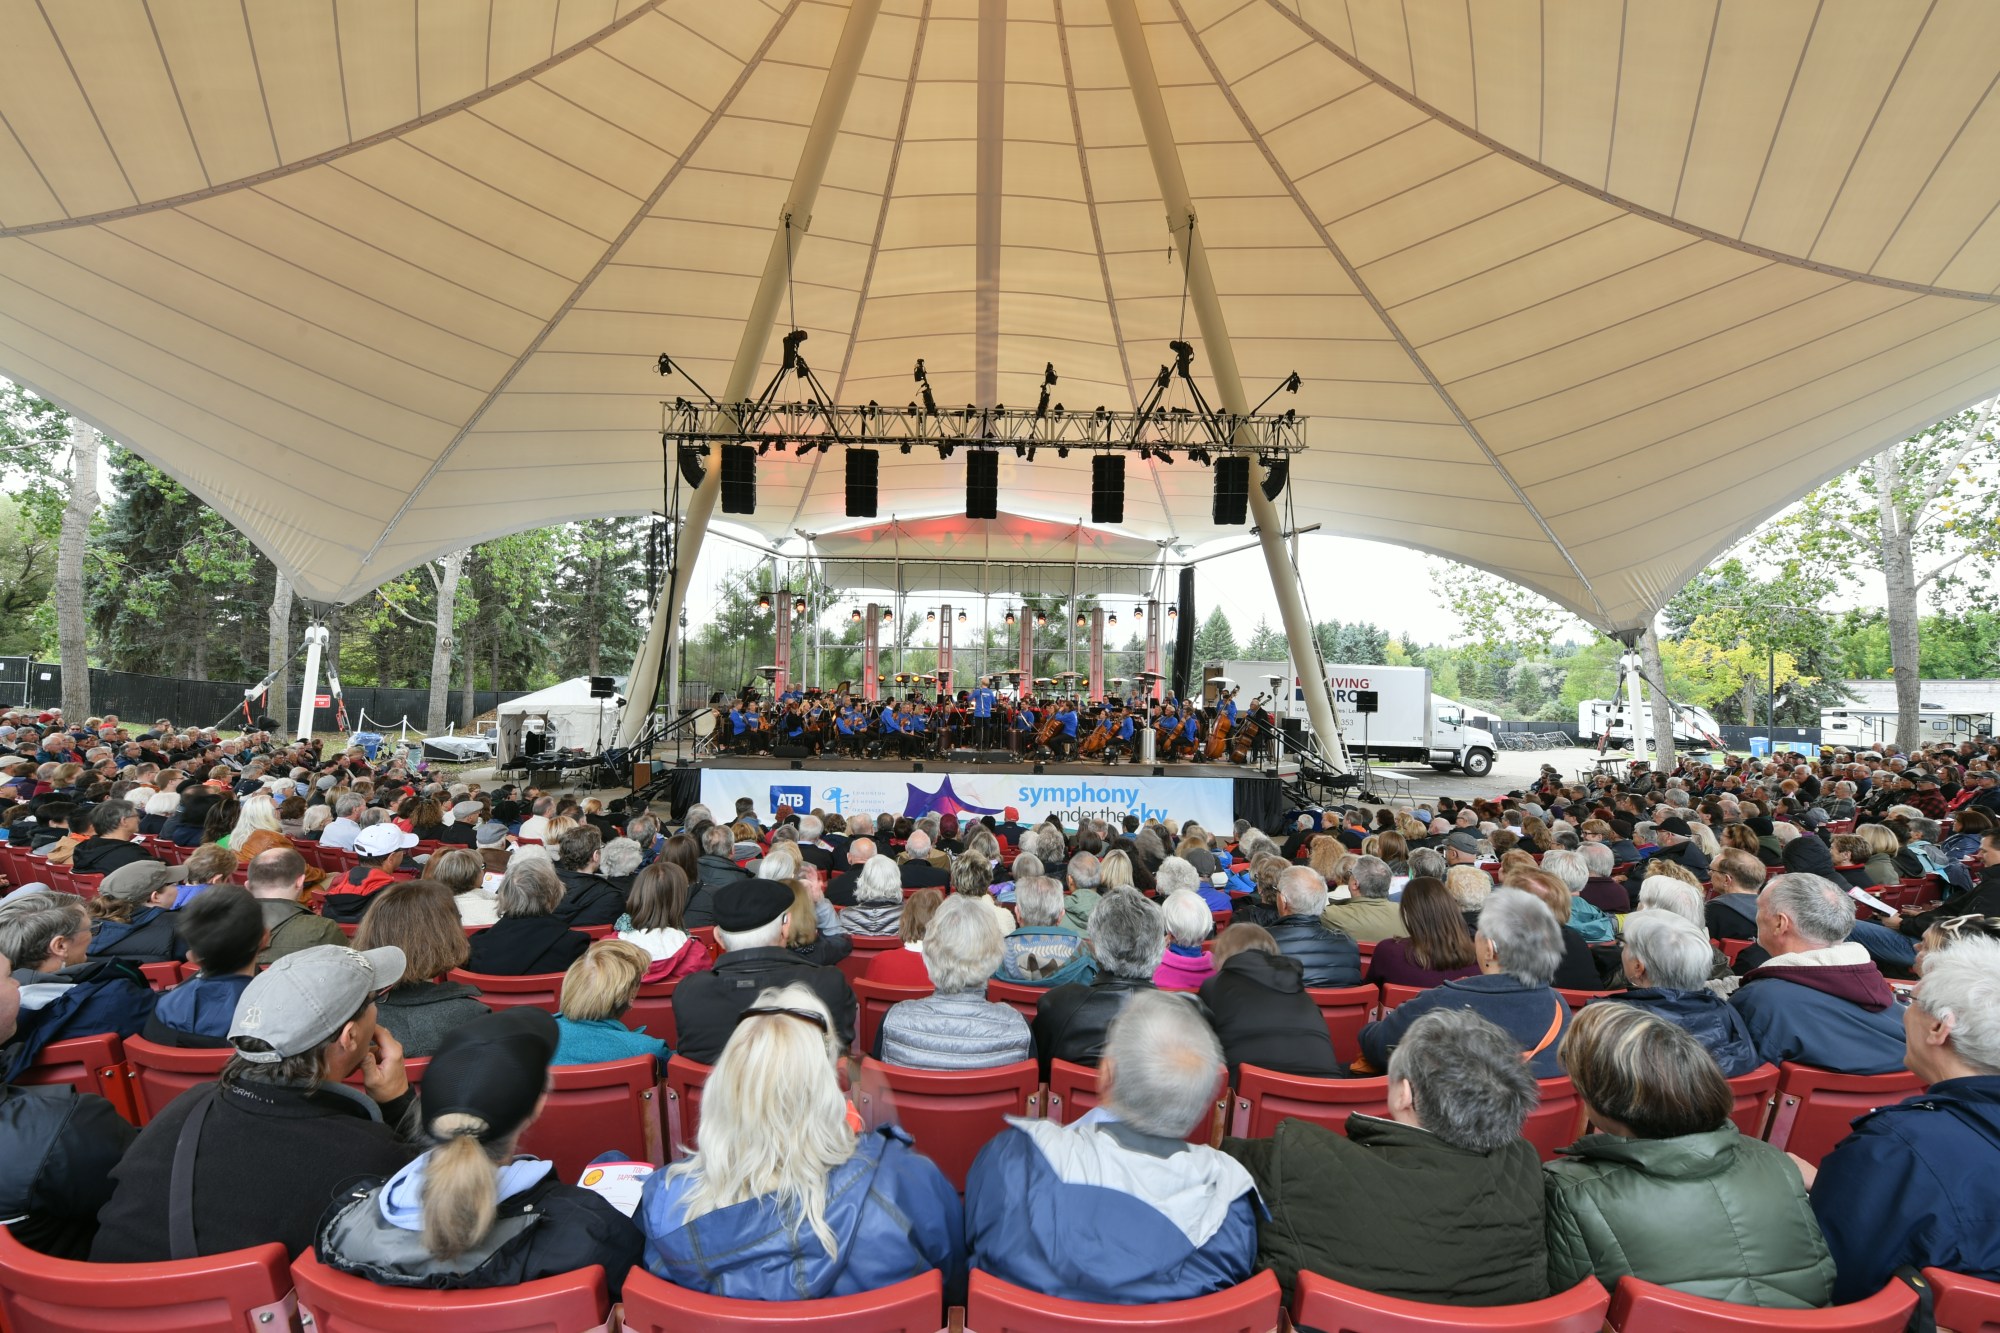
x,y
1478,763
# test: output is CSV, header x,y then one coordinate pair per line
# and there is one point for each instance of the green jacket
x,y
1394,1209
1714,1215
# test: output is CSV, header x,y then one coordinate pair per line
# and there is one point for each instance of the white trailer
x,y
1693,724
1864,728
1409,724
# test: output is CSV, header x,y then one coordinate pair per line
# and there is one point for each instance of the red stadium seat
x,y
993,1306
855,965
1334,1307
1023,998
1732,949
1556,1120
1816,1106
1576,999
1264,1097
339,1303
872,1001
1394,995
1073,1092
242,1291
951,1114
598,932
682,1088
158,1074
912,1306
162,976
706,934
1645,1307
541,991
88,1064
599,1108
84,886
1964,1304
1754,1092
1347,1010
652,1010
1367,948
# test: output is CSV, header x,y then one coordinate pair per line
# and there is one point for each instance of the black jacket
x,y
549,1229
840,888
57,1150
1982,900
525,946
588,900
457,835
924,875
1578,969
706,1004
701,896
270,1159
1071,1021
101,856
1261,1013
1330,957
147,938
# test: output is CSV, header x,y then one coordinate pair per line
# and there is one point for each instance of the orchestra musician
x,y
1064,741
1119,720
983,699
1025,723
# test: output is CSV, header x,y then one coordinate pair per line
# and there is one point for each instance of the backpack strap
x,y
180,1189
1555,1027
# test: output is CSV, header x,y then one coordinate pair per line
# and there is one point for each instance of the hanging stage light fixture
x,y
763,603
1010,617
856,617
799,606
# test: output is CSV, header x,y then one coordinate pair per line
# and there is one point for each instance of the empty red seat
x,y
1964,1304
161,1073
244,1291
1576,999
612,1106
855,965
88,1064
1816,1106
1732,949
1334,1307
340,1303
542,991
682,1088
872,1002
950,1113
1073,1092
1024,999
912,1306
1264,1097
1754,1092
993,1306
1347,1010
1645,1307
1394,995
652,1011
1556,1120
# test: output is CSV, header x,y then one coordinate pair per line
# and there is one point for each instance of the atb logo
x,y
799,799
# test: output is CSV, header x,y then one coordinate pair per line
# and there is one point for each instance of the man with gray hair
x,y
1601,891
1362,908
1128,936
841,888
1820,1000
922,869
1118,1207
1044,950
1667,959
1329,956
1085,874
1912,1186
345,828
1446,1175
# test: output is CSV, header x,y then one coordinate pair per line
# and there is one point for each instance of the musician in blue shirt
x,y
982,710
1121,734
739,727
1065,739
915,724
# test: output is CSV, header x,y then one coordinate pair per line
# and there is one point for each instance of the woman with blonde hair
x,y
596,991
470,1211
804,936
786,1196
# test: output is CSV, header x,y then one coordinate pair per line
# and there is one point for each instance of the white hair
x,y
1302,890
1524,934
1675,953
879,882
1174,875
1961,982
1166,1064
757,937
1569,867
962,945
1188,918
918,845
1673,895
1038,899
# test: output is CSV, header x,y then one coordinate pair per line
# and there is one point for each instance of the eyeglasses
x,y
804,1015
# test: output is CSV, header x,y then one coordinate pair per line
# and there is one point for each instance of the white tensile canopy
x,y
564,712
1010,555
1579,292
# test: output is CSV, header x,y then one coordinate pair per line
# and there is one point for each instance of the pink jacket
x,y
1180,971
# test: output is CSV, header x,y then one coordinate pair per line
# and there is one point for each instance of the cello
x,y
1246,735
1095,742
1046,732
1218,735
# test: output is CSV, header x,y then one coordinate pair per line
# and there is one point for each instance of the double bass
x,y
1051,724
1246,734
1218,735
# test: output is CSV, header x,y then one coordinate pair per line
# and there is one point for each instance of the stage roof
x,y
1580,292
1010,554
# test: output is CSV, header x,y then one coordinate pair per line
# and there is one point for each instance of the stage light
x,y
946,450
904,447
1081,620
763,447
930,617
961,617
1041,620
1062,451
888,616
1138,613
763,603
799,606
1111,618
1173,613
1010,617
856,617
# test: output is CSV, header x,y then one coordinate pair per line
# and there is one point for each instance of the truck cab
x,y
1457,744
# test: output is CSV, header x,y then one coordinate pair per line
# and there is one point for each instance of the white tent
x,y
566,713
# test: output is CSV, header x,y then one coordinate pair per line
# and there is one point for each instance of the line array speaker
x,y
982,483
1107,488
1232,490
863,468
739,479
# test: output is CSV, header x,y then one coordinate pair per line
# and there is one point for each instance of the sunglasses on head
x,y
804,1015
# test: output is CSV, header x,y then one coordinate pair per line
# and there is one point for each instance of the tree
x,y
72,628
1215,641
598,594
1924,514
27,576
442,577
1499,619
1266,644
279,621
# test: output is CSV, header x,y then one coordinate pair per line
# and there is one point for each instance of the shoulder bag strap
x,y
1555,1027
180,1188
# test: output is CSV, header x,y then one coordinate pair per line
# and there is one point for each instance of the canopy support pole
x,y
795,219
316,639
1152,109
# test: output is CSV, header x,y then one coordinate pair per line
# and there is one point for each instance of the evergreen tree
x,y
1215,641
1266,643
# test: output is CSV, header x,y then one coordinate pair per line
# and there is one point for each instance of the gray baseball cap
x,y
301,1001
1463,841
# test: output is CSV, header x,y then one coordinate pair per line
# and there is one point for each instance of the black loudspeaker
x,y
692,468
739,479
1365,701
1107,488
982,484
1232,490
790,751
601,687
863,466
1276,472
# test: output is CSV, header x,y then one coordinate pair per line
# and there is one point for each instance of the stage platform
x,y
1215,795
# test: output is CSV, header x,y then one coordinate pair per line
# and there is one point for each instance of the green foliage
x,y
1215,641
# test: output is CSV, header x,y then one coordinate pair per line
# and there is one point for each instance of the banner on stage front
x,y
972,793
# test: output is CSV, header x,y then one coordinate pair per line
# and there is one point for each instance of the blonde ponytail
x,y
461,1187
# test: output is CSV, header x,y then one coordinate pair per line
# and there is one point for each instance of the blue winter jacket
x,y
1536,1017
1097,1211
1842,1018
1913,1184
892,1212
204,1005
1706,1016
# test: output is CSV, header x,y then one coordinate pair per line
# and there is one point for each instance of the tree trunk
x,y
468,700
447,610
1749,703
280,648
1663,712
1899,578
71,627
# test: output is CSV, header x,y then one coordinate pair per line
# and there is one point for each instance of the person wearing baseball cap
x,y
379,851
132,918
470,1212
264,1149
750,920
1675,839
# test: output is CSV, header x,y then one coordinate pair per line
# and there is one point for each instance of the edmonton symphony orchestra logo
x,y
943,801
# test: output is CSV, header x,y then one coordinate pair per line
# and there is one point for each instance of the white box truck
x,y
1409,724
1693,725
